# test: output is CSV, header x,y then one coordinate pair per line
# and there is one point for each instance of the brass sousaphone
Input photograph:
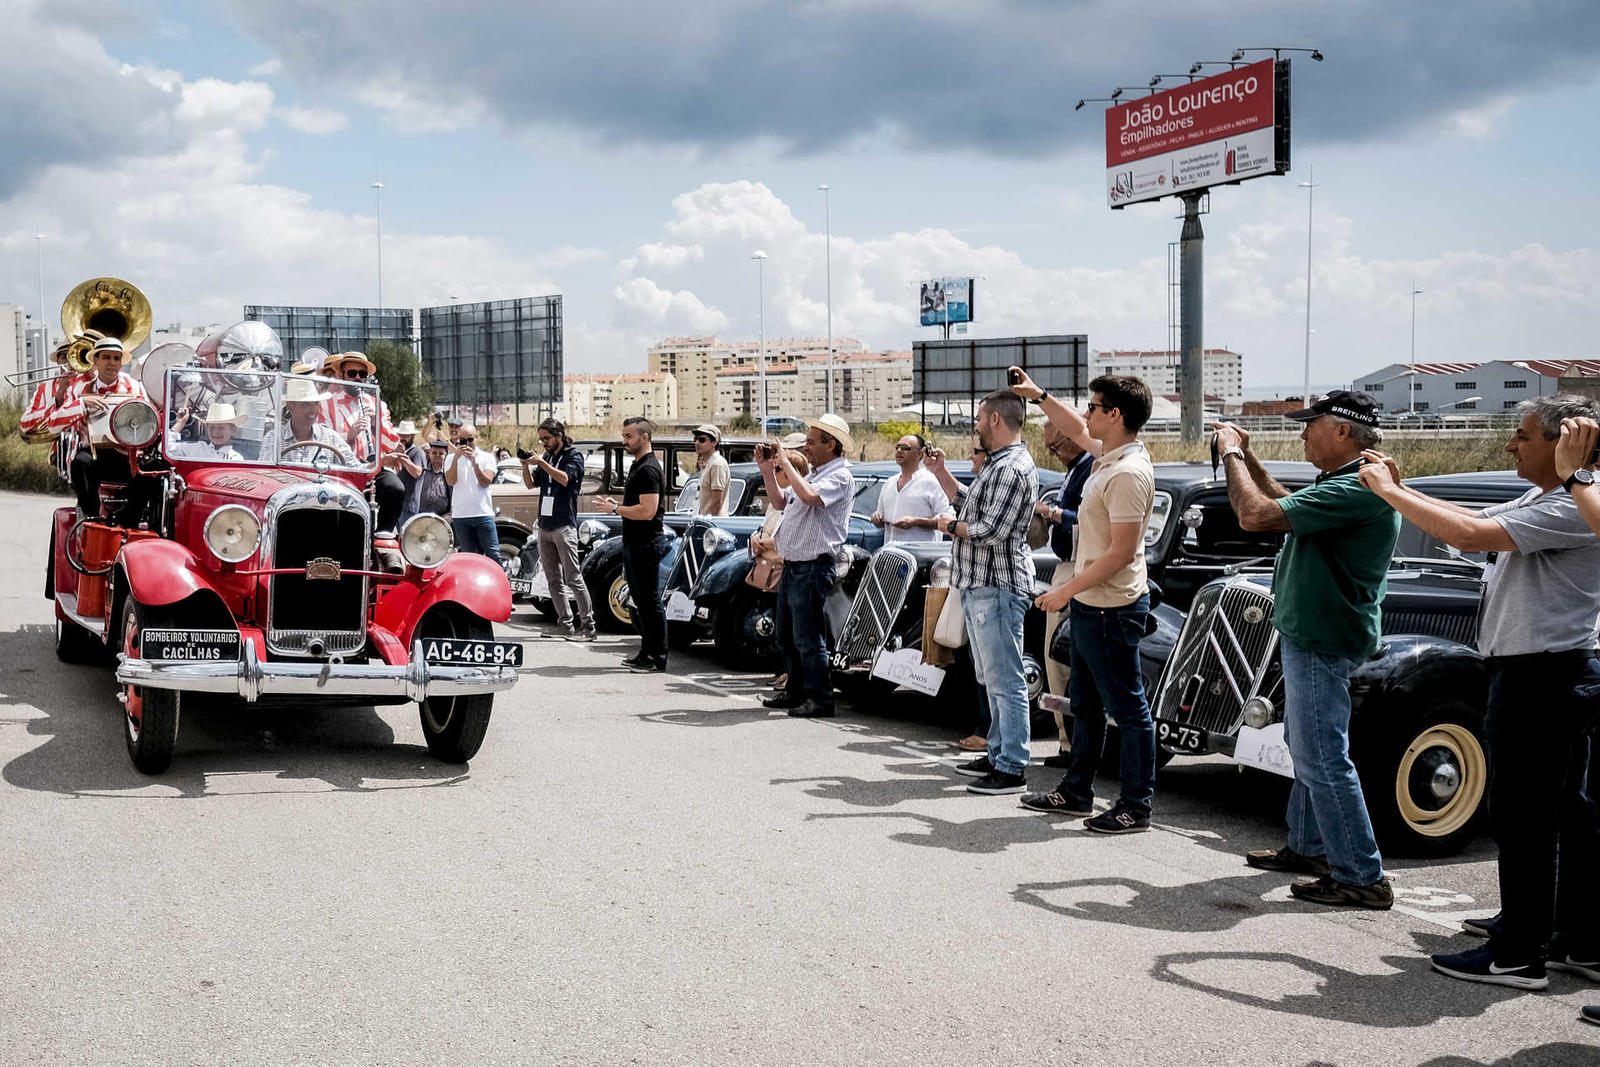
x,y
114,307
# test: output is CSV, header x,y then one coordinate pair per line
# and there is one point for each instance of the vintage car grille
x,y
877,605
302,610
1221,659
1462,628
691,559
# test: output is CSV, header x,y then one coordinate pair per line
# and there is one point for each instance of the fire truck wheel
x,y
454,726
149,716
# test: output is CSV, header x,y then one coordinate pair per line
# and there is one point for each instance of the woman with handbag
x,y
768,565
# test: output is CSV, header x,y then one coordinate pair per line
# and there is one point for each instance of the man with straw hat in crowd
x,y
361,416
303,425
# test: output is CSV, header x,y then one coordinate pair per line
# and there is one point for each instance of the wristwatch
x,y
1581,476
1234,451
1041,398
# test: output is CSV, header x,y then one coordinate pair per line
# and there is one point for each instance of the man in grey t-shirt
x,y
1540,619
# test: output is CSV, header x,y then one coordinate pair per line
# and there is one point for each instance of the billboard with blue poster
x,y
946,301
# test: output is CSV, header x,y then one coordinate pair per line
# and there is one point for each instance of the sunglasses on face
x,y
699,437
905,448
465,440
980,451
356,375
1089,408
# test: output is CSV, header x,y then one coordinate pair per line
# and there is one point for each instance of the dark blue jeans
x,y
641,566
477,533
1542,711
804,587
1106,680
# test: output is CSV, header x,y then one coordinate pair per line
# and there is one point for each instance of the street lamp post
x,y
1309,185
1411,395
761,316
44,323
377,197
827,225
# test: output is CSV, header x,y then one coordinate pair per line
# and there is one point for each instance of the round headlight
x,y
939,574
134,423
1258,712
842,562
591,530
714,539
233,533
426,540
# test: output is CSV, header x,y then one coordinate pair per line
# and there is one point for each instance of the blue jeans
x,y
477,533
1106,680
994,632
1327,813
804,587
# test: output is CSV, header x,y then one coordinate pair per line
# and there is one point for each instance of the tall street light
x,y
827,225
44,323
761,361
377,197
1411,396
1309,185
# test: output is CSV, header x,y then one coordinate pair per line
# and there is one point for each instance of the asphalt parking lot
x,y
655,870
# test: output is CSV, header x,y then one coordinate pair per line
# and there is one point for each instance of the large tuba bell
x,y
114,307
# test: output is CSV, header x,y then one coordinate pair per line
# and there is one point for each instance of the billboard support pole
x,y
1191,393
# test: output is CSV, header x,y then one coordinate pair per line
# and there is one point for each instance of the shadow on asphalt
x,y
1555,1054
348,749
1210,906
1411,996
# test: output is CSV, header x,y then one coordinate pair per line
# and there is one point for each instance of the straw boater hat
x,y
834,427
406,427
310,361
335,364
302,391
107,344
219,413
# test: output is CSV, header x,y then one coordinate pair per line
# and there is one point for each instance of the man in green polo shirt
x,y
1328,582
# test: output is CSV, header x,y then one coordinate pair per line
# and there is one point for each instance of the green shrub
x,y
23,467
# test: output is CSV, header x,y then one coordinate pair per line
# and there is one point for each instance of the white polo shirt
x,y
922,498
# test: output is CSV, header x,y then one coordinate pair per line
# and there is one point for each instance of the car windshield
x,y
688,502
261,418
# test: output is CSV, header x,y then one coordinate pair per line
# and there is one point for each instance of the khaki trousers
x,y
1056,674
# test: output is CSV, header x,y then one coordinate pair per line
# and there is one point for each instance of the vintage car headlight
x,y
233,533
939,574
714,539
426,540
592,530
1258,712
1193,517
842,562
1160,512
135,423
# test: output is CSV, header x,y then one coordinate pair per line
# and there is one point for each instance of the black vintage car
x,y
1417,705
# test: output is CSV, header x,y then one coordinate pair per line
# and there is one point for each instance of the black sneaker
x,y
1060,761
649,666
1478,965
783,701
1563,958
1119,820
1481,927
813,709
996,783
634,661
581,632
1056,804
1286,860
976,768
1590,1013
1379,896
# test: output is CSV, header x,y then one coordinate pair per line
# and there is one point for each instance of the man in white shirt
x,y
909,506
468,472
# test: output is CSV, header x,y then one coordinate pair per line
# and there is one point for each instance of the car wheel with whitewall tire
x,y
746,632
149,716
1424,778
454,726
613,606
74,644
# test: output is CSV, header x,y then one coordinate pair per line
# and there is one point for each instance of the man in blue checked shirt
x,y
991,566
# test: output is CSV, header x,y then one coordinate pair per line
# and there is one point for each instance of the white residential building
x,y
13,346
867,386
695,362
1222,370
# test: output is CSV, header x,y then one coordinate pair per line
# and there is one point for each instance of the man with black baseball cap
x,y
1329,578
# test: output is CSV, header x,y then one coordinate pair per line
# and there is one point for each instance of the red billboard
x,y
1224,128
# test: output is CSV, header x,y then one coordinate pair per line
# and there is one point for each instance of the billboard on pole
x,y
1214,131
946,300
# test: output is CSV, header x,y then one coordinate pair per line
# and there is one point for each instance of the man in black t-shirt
x,y
643,502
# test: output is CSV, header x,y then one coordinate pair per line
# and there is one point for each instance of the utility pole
x,y
377,196
761,312
44,323
1191,391
827,223
1309,185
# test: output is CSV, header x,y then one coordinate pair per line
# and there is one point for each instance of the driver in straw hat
x,y
303,426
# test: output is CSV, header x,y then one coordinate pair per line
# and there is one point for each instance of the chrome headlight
x,y
135,423
426,540
845,560
233,533
592,530
1160,512
1193,517
1258,712
939,574
714,539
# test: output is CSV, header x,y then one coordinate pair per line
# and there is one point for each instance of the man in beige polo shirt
x,y
1110,601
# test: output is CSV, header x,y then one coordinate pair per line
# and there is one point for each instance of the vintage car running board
x,y
69,607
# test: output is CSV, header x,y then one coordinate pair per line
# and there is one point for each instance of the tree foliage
x,y
407,389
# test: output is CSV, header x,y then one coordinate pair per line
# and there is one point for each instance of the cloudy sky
x,y
632,155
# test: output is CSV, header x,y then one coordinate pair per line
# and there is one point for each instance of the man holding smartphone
x,y
468,472
1330,576
909,506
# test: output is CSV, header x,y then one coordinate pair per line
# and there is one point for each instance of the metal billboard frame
x,y
511,354
1057,362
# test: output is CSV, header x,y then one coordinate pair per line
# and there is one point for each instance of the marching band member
x,y
354,412
86,399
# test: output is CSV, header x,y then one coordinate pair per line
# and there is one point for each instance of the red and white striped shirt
x,y
42,404
343,410
71,409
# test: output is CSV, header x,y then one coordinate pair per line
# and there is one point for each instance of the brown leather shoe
x,y
1286,860
1379,896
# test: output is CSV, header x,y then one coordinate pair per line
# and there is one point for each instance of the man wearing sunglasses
x,y
713,467
468,472
909,506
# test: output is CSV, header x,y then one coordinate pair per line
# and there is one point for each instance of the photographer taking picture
x,y
1329,578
